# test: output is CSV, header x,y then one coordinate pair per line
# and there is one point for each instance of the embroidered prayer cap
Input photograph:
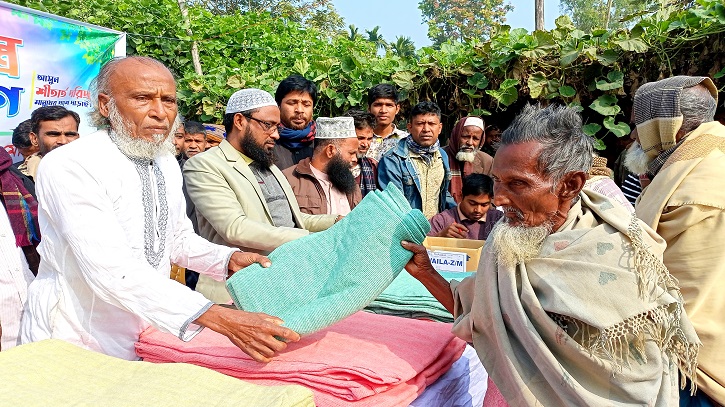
x,y
248,99
474,121
215,132
335,127
657,113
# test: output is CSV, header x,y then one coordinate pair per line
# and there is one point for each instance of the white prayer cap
x,y
335,127
248,99
474,121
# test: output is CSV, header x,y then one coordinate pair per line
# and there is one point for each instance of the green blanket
x,y
322,278
407,297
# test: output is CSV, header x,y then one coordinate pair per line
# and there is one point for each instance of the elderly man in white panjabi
x,y
113,219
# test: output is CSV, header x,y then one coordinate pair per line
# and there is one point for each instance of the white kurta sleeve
x,y
81,210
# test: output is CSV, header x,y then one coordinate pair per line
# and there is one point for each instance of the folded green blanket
x,y
407,297
322,278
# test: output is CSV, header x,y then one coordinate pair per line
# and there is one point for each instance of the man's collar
x,y
394,132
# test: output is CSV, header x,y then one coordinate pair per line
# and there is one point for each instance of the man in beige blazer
x,y
242,199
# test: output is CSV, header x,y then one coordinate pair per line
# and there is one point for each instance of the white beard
x,y
137,147
466,156
517,244
636,160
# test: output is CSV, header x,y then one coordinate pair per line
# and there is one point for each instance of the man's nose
x,y
157,110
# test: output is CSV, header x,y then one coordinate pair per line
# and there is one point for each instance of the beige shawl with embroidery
x,y
595,320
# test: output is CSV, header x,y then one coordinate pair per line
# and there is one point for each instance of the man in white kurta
x,y
95,286
112,216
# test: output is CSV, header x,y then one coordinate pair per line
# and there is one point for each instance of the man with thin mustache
x,y
571,304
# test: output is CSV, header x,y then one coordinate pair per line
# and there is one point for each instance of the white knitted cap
x,y
474,121
248,99
335,127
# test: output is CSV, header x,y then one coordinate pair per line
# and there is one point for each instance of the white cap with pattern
x,y
248,99
335,127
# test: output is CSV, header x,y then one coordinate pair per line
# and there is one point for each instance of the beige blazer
x,y
232,211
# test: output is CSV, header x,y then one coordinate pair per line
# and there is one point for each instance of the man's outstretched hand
x,y
252,332
240,260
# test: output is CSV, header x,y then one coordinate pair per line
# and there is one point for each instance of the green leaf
x,y
606,105
564,23
347,64
404,79
505,95
608,57
619,129
235,82
567,91
568,55
478,80
719,74
615,81
633,44
599,145
509,83
480,112
591,129
301,66
536,83
472,93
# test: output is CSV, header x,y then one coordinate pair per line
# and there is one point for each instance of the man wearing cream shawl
x,y
571,304
682,150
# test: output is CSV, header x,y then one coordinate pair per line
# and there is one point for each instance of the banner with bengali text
x,y
48,60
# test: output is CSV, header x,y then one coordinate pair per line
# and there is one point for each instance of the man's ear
x,y
33,139
240,122
103,100
572,184
330,151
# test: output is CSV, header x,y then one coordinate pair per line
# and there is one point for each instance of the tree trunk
x,y
609,13
539,15
194,46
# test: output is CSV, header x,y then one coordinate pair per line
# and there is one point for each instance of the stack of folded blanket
x,y
57,373
322,278
364,360
407,297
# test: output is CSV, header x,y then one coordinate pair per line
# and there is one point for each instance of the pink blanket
x,y
363,360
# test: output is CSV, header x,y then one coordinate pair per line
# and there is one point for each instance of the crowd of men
x,y
579,298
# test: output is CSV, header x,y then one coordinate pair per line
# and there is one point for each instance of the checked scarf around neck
x,y
426,153
296,139
21,206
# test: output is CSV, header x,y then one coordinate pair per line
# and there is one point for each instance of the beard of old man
x,y
340,175
131,146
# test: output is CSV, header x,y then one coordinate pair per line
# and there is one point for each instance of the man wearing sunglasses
x,y
242,199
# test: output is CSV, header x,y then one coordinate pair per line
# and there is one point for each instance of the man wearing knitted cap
x,y
682,150
111,214
464,153
324,184
214,135
242,199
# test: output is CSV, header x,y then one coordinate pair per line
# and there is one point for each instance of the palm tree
x,y
377,38
403,47
354,32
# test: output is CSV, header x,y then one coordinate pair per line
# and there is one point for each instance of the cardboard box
x,y
447,254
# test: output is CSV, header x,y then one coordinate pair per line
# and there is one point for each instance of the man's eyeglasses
x,y
266,126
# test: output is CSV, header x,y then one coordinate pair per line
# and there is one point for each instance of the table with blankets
x,y
371,335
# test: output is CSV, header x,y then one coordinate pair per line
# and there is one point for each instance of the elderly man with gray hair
x,y
571,304
112,220
682,150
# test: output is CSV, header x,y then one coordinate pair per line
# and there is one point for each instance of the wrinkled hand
x,y
419,265
240,260
454,230
252,332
